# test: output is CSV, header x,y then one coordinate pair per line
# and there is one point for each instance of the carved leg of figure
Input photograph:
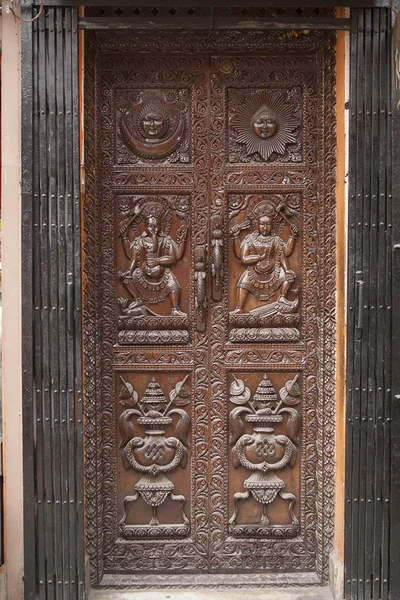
x,y
284,291
154,519
264,516
292,501
241,297
175,297
182,500
238,496
132,291
127,501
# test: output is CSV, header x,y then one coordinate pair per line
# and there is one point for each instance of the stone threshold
x,y
234,593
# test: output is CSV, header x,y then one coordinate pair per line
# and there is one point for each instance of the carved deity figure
x,y
149,278
265,255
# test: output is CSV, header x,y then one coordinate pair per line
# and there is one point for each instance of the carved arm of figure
x,y
235,232
291,243
171,256
168,259
126,243
250,259
134,255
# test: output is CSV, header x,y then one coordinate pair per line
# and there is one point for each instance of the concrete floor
x,y
272,593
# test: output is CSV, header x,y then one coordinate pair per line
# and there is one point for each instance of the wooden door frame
x,y
69,303
99,389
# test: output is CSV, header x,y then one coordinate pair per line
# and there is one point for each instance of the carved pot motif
x,y
155,449
263,447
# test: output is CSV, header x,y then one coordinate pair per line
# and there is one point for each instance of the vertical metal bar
x,y
70,428
79,523
380,368
60,91
387,293
351,303
41,276
373,318
29,221
357,113
54,308
364,233
394,493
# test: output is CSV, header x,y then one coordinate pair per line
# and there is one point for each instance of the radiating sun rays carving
x,y
265,124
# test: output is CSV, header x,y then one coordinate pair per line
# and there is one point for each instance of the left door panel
x,y
149,153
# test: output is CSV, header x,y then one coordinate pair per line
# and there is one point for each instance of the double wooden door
x,y
209,304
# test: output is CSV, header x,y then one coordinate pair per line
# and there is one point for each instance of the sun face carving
x,y
153,128
265,124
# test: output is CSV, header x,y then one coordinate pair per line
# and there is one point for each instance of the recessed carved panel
x,y
265,125
264,431
152,234
264,267
153,126
154,444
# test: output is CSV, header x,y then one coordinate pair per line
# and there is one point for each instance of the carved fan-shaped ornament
x,y
153,128
265,124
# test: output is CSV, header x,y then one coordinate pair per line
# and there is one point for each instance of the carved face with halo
x,y
153,127
153,123
264,123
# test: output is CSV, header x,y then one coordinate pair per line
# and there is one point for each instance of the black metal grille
x,y
52,322
369,357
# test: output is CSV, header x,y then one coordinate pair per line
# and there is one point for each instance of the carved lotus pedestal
x,y
153,329
154,455
264,453
275,322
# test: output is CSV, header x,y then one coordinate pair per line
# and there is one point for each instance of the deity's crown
x,y
153,209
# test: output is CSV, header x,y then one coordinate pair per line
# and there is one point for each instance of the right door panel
x,y
272,314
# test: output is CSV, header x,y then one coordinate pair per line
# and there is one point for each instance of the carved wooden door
x,y
210,255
